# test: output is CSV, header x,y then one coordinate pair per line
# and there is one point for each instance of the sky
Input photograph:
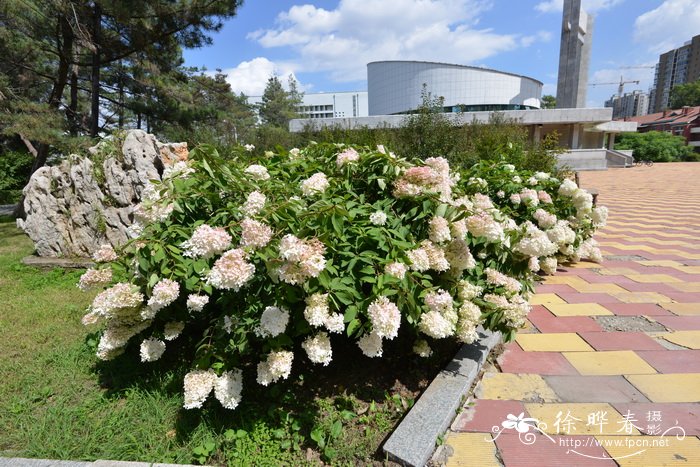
x,y
326,45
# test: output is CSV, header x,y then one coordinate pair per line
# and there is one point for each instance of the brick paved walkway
x,y
612,351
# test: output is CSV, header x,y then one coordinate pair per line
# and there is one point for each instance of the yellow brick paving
x,y
578,387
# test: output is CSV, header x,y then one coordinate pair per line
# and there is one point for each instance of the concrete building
x,y
574,56
630,104
677,66
329,104
395,87
587,134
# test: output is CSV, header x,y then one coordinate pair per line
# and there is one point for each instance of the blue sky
x,y
327,44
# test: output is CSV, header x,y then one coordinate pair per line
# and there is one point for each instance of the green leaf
x,y
350,314
353,326
336,429
153,280
317,435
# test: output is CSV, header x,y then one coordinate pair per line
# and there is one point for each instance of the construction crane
x,y
620,85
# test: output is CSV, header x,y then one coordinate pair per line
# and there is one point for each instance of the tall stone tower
x,y
574,55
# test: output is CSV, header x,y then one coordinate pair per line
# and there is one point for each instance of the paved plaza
x,y
610,363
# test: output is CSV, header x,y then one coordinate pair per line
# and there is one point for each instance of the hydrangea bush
x,y
263,264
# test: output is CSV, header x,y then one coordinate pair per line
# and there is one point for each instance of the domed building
x,y
395,87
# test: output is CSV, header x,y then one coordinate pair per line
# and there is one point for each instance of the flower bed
x,y
261,264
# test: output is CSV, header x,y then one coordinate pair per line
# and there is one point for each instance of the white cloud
x,y
669,25
343,40
251,77
591,6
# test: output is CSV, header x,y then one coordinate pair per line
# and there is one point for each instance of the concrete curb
x,y
21,462
413,441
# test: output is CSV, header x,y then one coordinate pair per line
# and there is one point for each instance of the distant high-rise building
x,y
677,66
574,55
631,104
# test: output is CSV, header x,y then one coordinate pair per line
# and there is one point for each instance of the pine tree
x,y
278,106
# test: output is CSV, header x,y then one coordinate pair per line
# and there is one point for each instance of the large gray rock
x,y
85,201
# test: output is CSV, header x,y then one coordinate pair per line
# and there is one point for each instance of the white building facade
x,y
329,104
394,87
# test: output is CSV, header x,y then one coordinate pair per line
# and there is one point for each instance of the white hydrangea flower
x,y
228,388
317,183
273,322
458,229
335,323
257,172
172,330
599,216
378,218
115,337
255,202
228,324
104,254
317,310
318,348
422,349
197,302
420,261
113,302
567,187
277,366
385,317
459,256
347,156
434,324
164,293
152,349
439,230
95,278
206,241
198,384
231,271
468,291
544,219
535,243
395,269
371,345
255,234
180,169
549,265
533,264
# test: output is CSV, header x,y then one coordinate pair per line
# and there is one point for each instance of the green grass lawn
x,y
56,401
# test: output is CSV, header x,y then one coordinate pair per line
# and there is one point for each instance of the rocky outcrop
x,y
74,207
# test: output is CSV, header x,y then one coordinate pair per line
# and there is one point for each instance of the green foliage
x,y
657,146
549,101
430,133
279,106
51,50
55,403
15,167
326,243
687,94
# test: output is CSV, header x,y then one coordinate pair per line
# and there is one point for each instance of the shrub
x,y
657,146
429,133
261,264
15,167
